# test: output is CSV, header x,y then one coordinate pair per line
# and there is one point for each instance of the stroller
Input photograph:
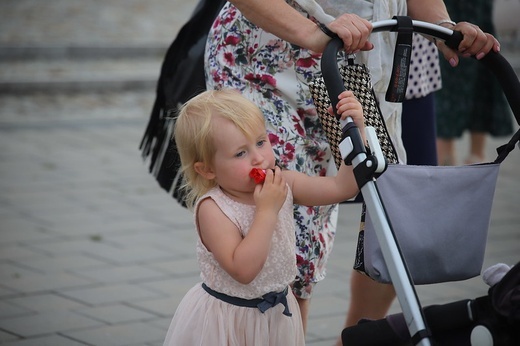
x,y
489,320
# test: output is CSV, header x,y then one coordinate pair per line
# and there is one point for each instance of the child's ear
x,y
204,170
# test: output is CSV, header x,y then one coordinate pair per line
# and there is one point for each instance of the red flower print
x,y
289,151
229,58
261,79
274,139
232,40
299,128
323,172
216,77
266,78
289,147
306,62
319,156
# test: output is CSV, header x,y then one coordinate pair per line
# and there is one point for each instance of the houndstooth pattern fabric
x,y
356,78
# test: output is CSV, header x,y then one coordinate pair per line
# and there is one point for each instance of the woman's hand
x,y
475,43
354,31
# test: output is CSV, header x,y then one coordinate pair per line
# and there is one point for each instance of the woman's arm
x,y
283,21
280,19
475,43
431,11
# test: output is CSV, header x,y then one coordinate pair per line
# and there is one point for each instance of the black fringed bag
x,y
181,78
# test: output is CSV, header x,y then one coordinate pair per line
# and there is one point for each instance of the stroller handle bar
x,y
494,61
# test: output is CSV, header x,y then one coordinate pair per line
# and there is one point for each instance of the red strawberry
x,y
258,175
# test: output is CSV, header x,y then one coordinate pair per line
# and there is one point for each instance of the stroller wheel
x,y
481,336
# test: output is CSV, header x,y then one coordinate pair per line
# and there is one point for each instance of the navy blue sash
x,y
267,301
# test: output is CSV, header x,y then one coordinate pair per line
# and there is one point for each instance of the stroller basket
x,y
441,217
392,261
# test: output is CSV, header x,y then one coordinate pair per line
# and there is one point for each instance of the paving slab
x,y
131,334
51,340
47,322
116,314
45,302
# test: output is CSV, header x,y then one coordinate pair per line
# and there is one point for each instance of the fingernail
x,y
480,55
453,63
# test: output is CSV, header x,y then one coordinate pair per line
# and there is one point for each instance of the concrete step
x,y
61,69
67,76
38,108
29,69
14,52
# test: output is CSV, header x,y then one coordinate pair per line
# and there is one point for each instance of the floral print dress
x,y
275,75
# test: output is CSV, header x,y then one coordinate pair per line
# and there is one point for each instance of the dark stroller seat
x,y
492,320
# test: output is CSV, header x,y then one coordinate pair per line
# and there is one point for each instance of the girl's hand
x,y
272,193
349,106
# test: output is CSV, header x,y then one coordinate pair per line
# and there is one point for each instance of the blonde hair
x,y
194,133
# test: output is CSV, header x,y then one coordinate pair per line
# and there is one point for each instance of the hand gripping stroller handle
x,y
494,61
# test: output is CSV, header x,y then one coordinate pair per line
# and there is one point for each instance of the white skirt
x,y
202,319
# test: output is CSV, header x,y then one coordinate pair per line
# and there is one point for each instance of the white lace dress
x,y
202,319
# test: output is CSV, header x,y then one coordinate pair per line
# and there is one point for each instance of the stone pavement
x,y
92,251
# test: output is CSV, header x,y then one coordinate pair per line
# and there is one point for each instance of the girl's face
x,y
236,155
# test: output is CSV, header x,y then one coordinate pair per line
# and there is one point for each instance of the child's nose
x,y
258,157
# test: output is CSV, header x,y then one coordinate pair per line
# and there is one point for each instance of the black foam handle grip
x,y
454,40
330,71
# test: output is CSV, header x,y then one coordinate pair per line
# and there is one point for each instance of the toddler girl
x,y
246,233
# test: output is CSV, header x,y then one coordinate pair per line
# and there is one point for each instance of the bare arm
x,y
475,43
243,257
280,19
313,191
428,11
